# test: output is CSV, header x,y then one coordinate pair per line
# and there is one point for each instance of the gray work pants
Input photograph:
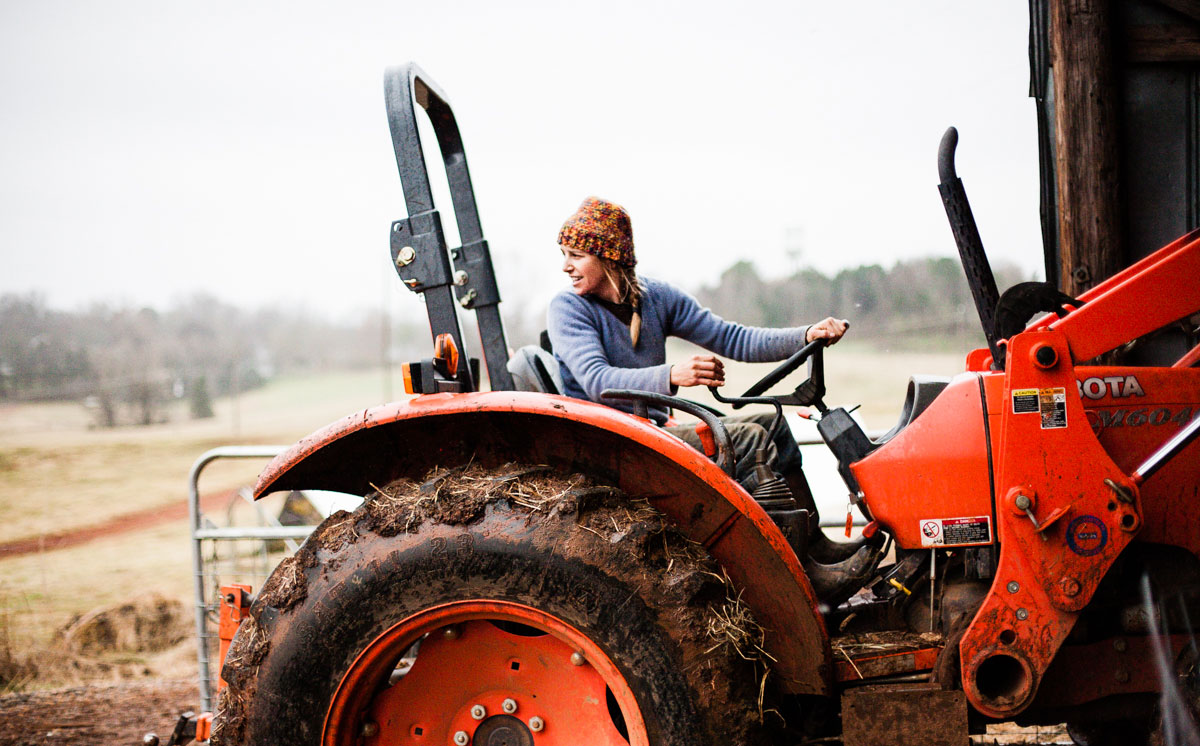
x,y
748,433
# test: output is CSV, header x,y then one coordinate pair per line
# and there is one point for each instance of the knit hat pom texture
x,y
600,228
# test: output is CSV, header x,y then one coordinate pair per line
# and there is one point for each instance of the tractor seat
x,y
534,368
922,390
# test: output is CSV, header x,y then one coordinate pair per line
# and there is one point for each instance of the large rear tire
x,y
502,607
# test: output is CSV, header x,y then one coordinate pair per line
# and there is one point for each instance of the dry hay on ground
x,y
144,625
148,636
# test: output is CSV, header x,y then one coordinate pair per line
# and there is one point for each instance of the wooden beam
x,y
1087,164
1189,8
1162,43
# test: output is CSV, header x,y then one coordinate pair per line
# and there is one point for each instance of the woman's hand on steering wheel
x,y
818,336
698,370
829,329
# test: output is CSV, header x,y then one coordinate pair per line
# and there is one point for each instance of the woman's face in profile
x,y
586,272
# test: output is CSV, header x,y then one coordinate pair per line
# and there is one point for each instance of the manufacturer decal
x,y
937,532
1114,386
1087,535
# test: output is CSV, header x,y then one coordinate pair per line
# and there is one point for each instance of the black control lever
x,y
724,457
741,401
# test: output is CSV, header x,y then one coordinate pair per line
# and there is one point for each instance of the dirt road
x,y
135,521
100,714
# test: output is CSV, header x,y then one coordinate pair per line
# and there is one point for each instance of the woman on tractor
x,y
609,331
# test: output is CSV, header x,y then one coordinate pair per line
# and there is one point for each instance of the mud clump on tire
x,y
567,517
460,495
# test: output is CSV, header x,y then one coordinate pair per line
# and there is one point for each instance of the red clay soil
x,y
141,519
100,714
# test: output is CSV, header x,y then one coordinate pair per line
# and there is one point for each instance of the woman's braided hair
x,y
629,291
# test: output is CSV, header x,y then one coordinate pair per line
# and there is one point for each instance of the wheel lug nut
x,y
369,728
479,712
577,659
509,706
450,633
461,738
536,724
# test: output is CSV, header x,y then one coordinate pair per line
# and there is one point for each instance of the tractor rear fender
x,y
407,439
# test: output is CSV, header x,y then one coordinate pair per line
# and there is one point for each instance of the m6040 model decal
x,y
1136,417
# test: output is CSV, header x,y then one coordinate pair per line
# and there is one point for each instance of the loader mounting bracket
x,y
1060,521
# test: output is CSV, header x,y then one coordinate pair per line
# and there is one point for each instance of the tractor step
x,y
889,653
904,715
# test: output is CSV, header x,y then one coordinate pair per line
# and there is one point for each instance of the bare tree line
x,y
921,303
127,363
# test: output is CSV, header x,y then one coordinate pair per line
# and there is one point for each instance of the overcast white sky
x,y
153,149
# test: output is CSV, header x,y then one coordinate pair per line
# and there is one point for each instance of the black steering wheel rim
x,y
813,350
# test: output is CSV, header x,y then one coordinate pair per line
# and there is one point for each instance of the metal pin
x,y
932,584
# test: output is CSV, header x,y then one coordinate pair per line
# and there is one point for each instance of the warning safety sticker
x,y
1052,403
1025,401
952,532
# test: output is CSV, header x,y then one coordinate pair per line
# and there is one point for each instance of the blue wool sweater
x,y
595,352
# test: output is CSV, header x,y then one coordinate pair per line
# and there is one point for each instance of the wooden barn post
x,y
1085,113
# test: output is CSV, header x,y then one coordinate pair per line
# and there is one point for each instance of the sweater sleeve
x,y
747,344
577,338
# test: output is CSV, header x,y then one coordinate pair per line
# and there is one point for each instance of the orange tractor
x,y
533,569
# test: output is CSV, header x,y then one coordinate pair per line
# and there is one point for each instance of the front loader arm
x,y
1064,509
1158,290
1064,512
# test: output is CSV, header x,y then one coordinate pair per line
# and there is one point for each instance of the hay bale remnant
x,y
147,624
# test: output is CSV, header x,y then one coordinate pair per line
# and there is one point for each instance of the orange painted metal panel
x,y
934,469
235,606
1133,411
863,667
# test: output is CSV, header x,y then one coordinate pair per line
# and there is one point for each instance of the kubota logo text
x,y
1116,386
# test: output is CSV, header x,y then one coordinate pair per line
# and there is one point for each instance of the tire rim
x,y
485,673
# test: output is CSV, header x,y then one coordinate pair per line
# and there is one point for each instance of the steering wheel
x,y
810,392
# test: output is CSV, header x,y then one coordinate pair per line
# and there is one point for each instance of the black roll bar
x,y
465,275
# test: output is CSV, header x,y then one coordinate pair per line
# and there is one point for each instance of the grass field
x,y
57,474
